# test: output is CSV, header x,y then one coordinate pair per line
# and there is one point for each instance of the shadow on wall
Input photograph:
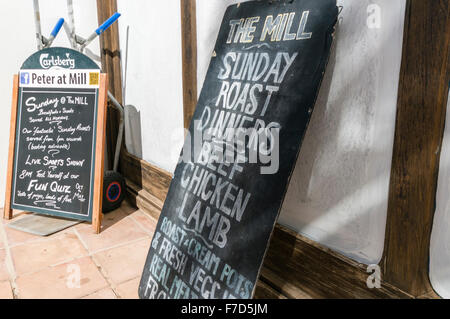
x,y
338,191
133,131
440,236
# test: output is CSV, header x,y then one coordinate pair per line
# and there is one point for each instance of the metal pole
x,y
71,31
119,107
124,80
37,23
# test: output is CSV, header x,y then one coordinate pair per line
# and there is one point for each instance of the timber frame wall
x,y
296,267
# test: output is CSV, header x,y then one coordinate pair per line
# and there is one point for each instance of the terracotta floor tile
x,y
145,220
16,214
43,265
127,208
55,282
116,230
3,270
2,244
5,290
129,289
125,262
36,255
106,293
16,237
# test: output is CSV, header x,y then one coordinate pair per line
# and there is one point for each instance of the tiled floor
x,y
76,263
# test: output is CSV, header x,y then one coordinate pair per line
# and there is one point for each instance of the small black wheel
x,y
113,191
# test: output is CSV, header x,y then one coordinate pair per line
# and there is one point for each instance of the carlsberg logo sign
x,y
49,62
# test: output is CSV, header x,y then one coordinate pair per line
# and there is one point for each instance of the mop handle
x,y
55,32
37,22
57,27
107,23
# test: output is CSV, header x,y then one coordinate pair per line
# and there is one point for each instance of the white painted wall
x,y
339,189
209,18
18,42
440,235
154,83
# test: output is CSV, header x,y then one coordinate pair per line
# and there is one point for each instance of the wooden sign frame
x,y
99,151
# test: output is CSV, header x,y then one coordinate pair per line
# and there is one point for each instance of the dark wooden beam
x,y
189,56
421,110
110,54
299,267
147,183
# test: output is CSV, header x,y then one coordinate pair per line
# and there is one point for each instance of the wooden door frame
x,y
420,122
110,59
189,58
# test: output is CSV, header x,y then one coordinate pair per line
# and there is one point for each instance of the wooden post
x,y
189,56
422,101
110,54
7,211
99,153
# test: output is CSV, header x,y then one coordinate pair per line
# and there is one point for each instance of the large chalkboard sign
x,y
56,137
243,142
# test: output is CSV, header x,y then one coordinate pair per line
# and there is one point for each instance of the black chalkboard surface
x,y
243,142
55,138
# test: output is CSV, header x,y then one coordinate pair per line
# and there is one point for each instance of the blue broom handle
x,y
107,23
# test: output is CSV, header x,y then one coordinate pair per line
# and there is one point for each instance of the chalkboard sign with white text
x,y
243,142
54,152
